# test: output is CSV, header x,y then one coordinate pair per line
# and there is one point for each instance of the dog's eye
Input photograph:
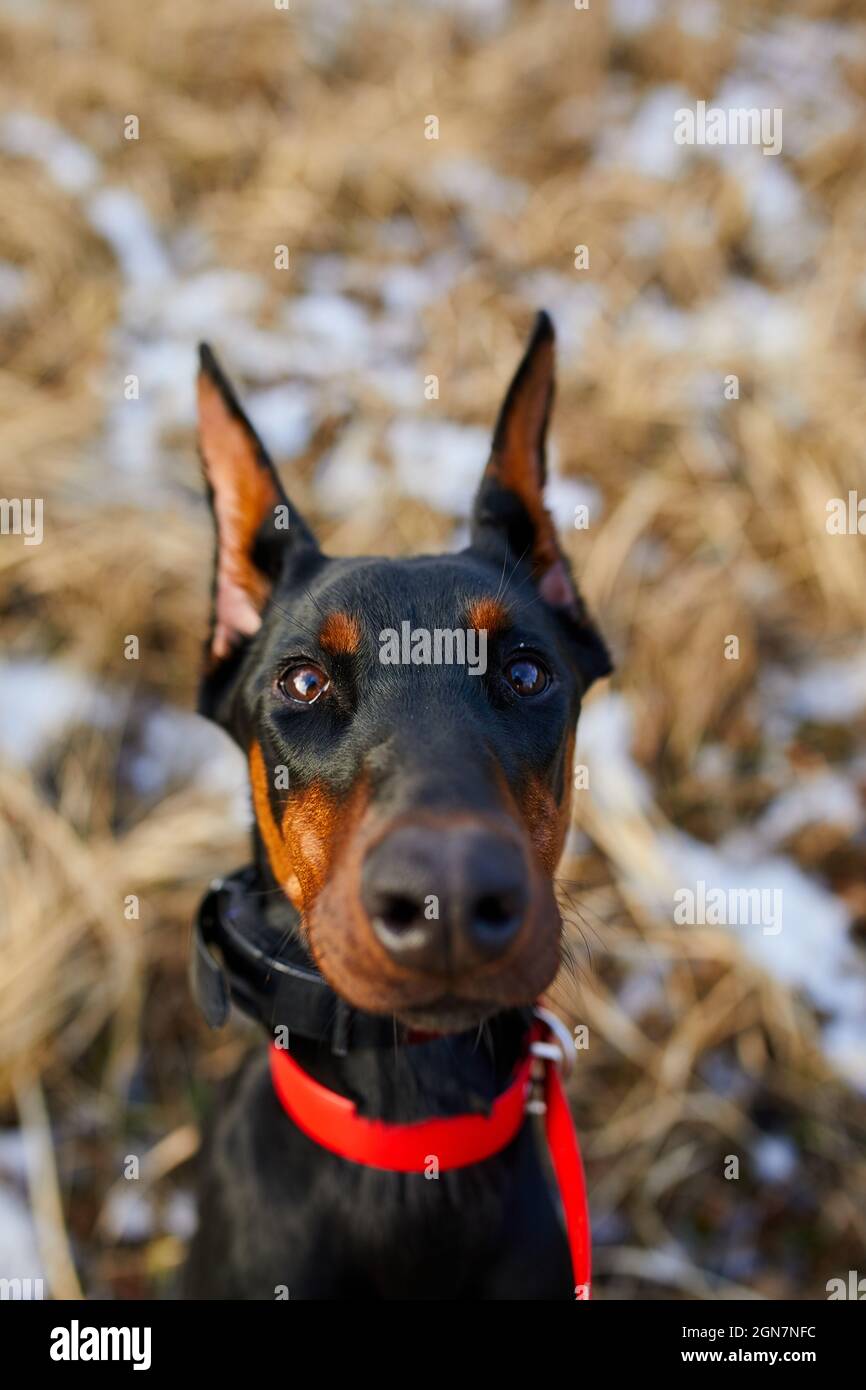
x,y
303,683
526,675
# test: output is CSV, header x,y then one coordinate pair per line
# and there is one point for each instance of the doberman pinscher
x,y
399,919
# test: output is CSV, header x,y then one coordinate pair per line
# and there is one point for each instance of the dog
x,y
409,814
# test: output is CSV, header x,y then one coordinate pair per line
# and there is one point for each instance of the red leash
x,y
568,1167
331,1120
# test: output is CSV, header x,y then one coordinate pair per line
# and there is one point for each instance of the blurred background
x,y
256,128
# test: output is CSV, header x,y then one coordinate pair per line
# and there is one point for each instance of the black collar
x,y
265,970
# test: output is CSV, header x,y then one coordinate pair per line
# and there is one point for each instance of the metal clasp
x,y
561,1049
558,1050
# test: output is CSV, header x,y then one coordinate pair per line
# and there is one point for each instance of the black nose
x,y
445,900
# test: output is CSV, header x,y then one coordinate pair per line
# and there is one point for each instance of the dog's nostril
x,y
398,910
494,920
492,910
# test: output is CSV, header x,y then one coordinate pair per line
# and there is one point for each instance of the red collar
x,y
332,1121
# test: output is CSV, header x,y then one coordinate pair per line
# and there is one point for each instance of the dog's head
x,y
409,724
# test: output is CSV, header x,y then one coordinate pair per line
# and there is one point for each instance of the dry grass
x,y
257,129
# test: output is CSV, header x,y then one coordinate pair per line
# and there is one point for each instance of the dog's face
x,y
409,724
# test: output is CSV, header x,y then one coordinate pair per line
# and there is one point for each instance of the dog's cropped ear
x,y
255,527
510,522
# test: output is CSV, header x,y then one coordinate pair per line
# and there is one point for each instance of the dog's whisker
x,y
502,575
295,620
517,563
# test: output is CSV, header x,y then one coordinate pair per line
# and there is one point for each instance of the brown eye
x,y
303,684
526,675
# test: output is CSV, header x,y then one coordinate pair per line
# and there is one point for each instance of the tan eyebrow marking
x,y
340,634
488,614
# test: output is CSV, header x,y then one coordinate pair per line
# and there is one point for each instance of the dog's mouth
x,y
447,1013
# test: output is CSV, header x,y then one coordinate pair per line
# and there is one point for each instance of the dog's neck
x,y
452,1074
